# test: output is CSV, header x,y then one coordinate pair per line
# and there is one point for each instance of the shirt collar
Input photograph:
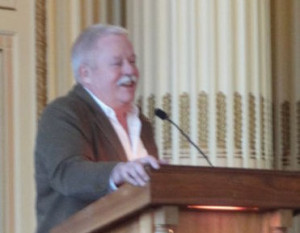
x,y
108,111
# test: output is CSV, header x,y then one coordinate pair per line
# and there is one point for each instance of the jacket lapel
x,y
102,128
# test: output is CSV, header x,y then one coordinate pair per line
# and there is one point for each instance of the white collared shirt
x,y
132,143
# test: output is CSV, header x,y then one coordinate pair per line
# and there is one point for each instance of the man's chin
x,y
127,95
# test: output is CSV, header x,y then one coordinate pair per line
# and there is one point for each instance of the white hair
x,y
84,46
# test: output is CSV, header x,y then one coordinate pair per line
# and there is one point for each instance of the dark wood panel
x,y
185,185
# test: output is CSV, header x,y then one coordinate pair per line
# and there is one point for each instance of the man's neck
x,y
122,118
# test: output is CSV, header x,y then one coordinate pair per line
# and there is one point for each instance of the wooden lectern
x,y
187,199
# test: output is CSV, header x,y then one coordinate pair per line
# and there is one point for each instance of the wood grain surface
x,y
182,186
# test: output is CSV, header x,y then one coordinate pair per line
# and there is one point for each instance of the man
x,y
94,139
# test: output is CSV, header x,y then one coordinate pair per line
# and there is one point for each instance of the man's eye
x,y
117,64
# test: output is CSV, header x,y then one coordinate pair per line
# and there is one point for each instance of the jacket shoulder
x,y
75,103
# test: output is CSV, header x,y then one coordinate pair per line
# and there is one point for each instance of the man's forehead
x,y
113,38
116,46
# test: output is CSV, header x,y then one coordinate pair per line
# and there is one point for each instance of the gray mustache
x,y
126,80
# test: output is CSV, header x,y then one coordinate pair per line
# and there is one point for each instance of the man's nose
x,y
128,68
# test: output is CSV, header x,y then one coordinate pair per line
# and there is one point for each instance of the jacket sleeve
x,y
63,149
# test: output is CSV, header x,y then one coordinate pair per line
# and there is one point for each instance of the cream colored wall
x,y
20,120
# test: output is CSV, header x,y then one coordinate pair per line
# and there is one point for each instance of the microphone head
x,y
161,114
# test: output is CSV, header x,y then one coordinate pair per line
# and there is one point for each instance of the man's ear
x,y
85,74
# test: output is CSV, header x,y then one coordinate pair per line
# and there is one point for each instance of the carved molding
x,y
252,124
203,120
238,122
41,53
167,133
221,122
184,120
151,106
239,118
262,127
285,133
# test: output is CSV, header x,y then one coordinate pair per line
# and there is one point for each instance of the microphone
x,y
164,116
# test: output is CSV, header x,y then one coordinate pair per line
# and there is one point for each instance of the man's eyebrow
x,y
117,58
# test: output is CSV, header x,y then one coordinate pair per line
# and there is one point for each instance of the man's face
x,y
114,59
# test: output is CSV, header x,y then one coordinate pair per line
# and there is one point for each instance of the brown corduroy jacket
x,y
76,150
